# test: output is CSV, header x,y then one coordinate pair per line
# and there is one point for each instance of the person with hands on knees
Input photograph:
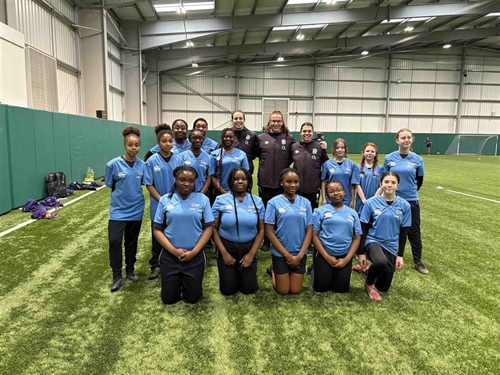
x,y
288,225
336,237
385,220
238,233
183,225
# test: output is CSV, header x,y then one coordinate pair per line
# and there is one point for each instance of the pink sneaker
x,y
372,292
358,268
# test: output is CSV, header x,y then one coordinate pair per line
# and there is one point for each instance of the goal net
x,y
472,144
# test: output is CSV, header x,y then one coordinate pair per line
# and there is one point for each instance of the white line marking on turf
x,y
51,210
474,196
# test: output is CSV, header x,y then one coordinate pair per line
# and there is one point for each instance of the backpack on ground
x,y
55,184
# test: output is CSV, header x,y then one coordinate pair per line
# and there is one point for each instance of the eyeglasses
x,y
335,191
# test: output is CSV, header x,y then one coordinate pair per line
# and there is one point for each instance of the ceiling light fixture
x,y
409,28
364,53
194,65
447,45
300,36
189,43
183,7
279,59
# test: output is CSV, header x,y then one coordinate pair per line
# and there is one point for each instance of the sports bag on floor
x,y
55,184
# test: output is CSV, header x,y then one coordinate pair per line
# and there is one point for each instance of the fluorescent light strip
x,y
165,8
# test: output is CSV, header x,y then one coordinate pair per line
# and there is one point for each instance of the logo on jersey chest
x,y
157,168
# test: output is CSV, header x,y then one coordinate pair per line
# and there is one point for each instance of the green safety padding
x,y
62,150
24,186
44,149
5,186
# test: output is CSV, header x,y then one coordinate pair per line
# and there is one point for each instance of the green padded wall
x,y
34,143
6,195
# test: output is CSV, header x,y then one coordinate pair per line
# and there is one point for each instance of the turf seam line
x,y
474,196
5,232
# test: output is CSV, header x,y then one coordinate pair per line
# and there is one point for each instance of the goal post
x,y
473,144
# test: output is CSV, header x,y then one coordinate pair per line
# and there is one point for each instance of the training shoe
x,y
310,251
155,272
117,284
421,268
269,271
265,246
373,292
309,269
132,276
359,268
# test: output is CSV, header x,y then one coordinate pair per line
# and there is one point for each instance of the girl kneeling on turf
x,y
238,233
385,220
336,237
291,215
182,225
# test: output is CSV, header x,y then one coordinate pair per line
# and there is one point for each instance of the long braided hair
x,y
182,168
375,160
230,182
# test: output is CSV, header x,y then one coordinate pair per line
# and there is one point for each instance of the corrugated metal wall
x,y
50,32
424,93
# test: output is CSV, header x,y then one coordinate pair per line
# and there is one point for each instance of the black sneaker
x,y
132,276
421,268
269,271
117,284
265,246
155,272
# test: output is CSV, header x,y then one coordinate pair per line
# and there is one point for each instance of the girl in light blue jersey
x,y
183,225
125,176
181,143
410,168
159,182
208,144
339,168
288,225
224,160
385,220
366,178
336,237
238,233
198,159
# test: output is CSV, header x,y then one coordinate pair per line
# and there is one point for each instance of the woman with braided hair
x,y
183,225
238,233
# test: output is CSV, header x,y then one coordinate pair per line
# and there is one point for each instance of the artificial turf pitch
x,y
57,315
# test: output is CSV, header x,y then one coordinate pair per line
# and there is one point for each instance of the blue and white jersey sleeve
x,y
336,228
185,219
290,219
209,145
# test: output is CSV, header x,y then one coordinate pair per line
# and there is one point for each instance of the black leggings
x,y
327,278
235,278
117,232
382,269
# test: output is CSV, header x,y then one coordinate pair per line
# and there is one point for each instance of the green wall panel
x,y
62,150
5,176
44,149
22,155
78,168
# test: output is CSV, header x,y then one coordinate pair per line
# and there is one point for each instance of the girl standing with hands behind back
x,y
125,176
410,168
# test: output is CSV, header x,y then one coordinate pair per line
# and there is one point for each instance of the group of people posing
x,y
201,191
